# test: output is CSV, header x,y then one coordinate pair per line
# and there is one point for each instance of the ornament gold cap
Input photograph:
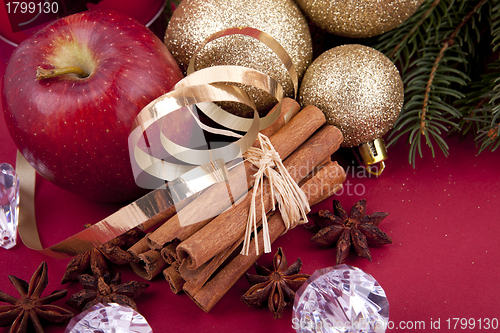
x,y
371,153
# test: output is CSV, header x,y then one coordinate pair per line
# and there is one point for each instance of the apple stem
x,y
50,73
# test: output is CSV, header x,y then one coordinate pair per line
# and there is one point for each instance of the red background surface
x,y
444,221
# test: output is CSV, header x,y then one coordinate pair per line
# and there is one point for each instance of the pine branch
x,y
485,116
413,30
432,50
430,83
482,114
495,25
490,135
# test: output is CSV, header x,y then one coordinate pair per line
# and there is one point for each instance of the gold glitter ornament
x,y
358,18
360,91
195,20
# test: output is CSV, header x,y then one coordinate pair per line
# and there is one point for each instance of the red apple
x,y
73,128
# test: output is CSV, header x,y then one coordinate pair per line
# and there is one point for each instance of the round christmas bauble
x,y
358,18
358,89
195,20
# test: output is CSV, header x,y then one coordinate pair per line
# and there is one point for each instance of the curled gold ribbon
x,y
214,111
202,88
196,169
174,102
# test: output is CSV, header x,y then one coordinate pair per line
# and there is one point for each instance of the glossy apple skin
x,y
74,131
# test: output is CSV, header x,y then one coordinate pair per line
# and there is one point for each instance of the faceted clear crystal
x,y
9,205
109,318
340,299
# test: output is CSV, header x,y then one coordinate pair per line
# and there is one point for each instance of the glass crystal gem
x,y
9,205
109,318
338,299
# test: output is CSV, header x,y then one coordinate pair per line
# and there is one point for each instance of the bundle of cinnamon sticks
x,y
202,257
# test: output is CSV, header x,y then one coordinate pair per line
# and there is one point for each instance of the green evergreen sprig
x,y
439,51
483,115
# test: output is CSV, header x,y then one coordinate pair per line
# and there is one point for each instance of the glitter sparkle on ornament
x,y
109,318
9,205
358,18
340,299
358,89
196,20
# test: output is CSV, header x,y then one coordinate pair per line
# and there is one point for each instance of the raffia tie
x,y
292,201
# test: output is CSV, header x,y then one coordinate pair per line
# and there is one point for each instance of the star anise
x,y
275,288
97,258
104,289
31,306
357,229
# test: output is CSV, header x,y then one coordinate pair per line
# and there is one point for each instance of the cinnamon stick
x,y
139,247
320,184
209,203
196,278
230,225
165,214
173,277
169,253
150,264
206,297
315,170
